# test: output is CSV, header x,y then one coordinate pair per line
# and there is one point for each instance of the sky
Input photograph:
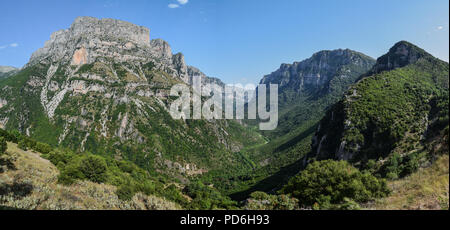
x,y
239,41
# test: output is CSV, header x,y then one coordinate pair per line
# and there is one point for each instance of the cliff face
x,y
103,86
306,88
318,70
89,40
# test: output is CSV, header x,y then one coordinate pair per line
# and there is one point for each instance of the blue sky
x,y
239,41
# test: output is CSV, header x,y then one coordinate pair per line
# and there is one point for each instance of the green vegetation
x,y
264,201
205,197
427,188
389,125
23,145
301,106
29,182
326,183
3,145
393,121
126,176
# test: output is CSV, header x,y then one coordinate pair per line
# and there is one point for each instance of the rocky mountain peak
x,y
112,28
401,54
162,47
89,39
317,70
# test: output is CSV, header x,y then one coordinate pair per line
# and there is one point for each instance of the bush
x,y
329,182
8,136
393,169
65,178
398,166
263,201
125,192
22,145
94,168
205,197
58,156
43,148
3,145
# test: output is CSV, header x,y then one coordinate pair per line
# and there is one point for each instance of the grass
x,y
28,181
427,189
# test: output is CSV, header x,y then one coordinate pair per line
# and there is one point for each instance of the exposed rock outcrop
x,y
316,71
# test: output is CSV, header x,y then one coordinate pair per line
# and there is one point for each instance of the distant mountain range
x,y
6,71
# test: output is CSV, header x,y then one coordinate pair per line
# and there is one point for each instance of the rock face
x,y
90,40
103,86
401,54
92,34
306,88
318,70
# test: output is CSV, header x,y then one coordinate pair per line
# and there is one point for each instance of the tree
x,y
3,145
94,168
331,182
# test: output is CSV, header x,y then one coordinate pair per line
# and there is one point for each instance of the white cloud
x,y
180,3
13,45
440,28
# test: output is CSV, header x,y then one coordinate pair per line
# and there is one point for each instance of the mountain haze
x,y
6,71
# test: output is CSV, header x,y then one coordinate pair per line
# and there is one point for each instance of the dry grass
x,y
28,181
427,189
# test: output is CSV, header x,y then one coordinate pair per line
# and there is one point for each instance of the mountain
x,y
103,86
85,124
394,119
6,71
306,89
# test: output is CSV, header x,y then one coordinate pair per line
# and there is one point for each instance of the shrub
x,y
43,148
8,136
65,178
94,168
393,169
125,192
263,201
330,182
205,197
22,145
349,205
3,145
411,164
58,156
